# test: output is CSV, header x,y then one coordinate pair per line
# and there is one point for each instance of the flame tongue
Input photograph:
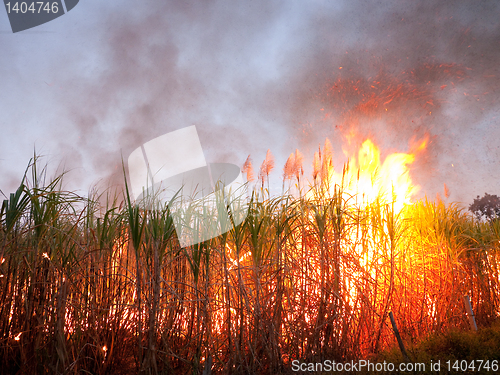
x,y
369,180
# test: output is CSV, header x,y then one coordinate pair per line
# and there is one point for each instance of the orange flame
x,y
366,178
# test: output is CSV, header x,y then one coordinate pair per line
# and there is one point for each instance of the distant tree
x,y
487,206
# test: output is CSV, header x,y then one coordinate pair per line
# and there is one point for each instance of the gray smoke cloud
x,y
282,75
170,66
425,67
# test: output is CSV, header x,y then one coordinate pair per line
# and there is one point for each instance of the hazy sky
x,y
94,84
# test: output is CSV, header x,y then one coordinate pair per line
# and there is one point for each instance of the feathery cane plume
x,y
316,165
298,164
248,169
327,160
266,167
289,168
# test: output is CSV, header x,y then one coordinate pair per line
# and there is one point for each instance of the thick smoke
x,y
283,75
427,68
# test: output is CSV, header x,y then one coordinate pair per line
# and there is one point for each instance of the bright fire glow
x,y
367,179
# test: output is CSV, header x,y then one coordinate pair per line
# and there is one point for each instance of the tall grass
x,y
101,285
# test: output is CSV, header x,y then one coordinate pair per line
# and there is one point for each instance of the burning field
x,y
385,106
310,275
